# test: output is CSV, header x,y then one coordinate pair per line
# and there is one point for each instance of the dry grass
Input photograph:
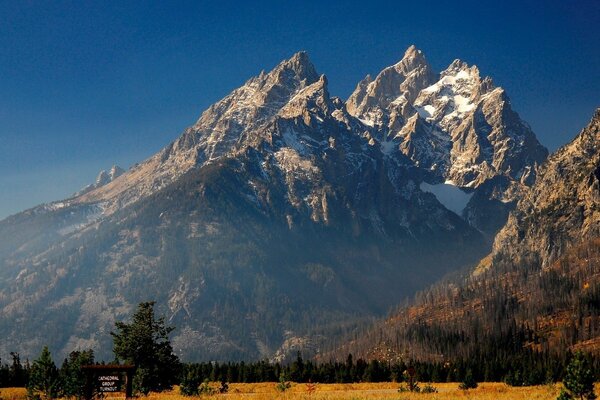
x,y
359,391
353,391
13,393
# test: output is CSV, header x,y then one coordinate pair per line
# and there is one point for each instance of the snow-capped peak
x,y
456,125
453,125
450,98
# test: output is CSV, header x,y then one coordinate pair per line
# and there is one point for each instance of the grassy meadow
x,y
353,391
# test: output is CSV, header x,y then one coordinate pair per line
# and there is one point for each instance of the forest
x,y
526,369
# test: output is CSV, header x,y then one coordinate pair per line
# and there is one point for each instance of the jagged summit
x,y
465,132
224,127
456,126
265,93
412,51
412,59
564,202
274,206
313,99
375,100
301,65
458,65
102,179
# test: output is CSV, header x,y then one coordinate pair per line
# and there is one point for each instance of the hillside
x,y
281,217
539,289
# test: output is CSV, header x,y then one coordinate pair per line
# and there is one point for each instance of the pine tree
x,y
190,383
44,380
145,343
17,373
579,380
297,369
283,384
72,376
469,382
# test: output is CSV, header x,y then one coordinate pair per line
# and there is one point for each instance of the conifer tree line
x,y
525,370
522,370
144,342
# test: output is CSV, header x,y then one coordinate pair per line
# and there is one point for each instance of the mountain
x,y
457,127
103,178
282,216
562,209
538,290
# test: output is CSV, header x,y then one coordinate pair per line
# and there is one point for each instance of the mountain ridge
x,y
278,197
537,291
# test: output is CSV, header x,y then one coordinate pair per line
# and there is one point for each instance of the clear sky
x,y
88,84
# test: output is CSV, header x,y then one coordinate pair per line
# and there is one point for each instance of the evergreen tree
x,y
73,378
17,373
44,380
283,384
190,382
579,380
469,382
145,343
297,369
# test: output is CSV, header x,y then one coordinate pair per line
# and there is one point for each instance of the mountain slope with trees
x,y
538,290
281,217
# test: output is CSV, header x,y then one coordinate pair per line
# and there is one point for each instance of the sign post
x,y
108,379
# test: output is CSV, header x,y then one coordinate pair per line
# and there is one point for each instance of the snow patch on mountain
x,y
452,197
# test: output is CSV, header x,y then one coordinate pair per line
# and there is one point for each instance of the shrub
x,y
189,383
469,382
283,384
206,389
428,388
579,380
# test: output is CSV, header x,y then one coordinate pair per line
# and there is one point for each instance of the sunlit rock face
x,y
281,211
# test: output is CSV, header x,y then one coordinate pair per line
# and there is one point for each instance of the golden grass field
x,y
351,391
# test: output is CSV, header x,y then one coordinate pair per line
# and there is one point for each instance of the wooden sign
x,y
108,379
109,383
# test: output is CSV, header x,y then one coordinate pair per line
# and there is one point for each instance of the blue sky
x,y
87,84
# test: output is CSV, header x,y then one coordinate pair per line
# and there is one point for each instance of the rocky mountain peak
x,y
313,99
394,87
224,127
115,172
459,65
456,126
588,141
562,208
301,66
104,178
413,59
261,97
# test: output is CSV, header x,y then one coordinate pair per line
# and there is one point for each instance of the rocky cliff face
x,y
280,213
104,178
562,208
539,288
456,127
